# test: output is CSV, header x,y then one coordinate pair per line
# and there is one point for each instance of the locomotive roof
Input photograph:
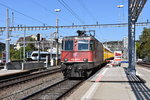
x,y
79,37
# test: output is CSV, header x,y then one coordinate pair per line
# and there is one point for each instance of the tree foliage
x,y
0,54
14,54
143,46
18,54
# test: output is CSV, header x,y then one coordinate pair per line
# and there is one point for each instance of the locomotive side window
x,y
62,45
91,45
68,45
83,45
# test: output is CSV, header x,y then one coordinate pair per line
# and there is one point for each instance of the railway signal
x,y
38,39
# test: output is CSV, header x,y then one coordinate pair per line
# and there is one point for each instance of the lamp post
x,y
119,20
119,6
57,36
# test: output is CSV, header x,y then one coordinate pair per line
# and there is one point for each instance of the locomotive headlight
x,y
85,59
65,59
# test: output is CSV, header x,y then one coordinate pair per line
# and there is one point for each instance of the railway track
x,y
144,64
55,91
22,89
21,74
21,79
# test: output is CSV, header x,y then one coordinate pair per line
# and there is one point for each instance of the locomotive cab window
x,y
91,45
83,45
68,45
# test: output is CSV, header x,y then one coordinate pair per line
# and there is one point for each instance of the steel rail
x,y
144,64
12,81
55,91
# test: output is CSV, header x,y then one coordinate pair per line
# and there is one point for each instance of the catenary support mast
x,y
7,47
134,9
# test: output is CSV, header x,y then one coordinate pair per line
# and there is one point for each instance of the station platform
x,y
9,73
114,83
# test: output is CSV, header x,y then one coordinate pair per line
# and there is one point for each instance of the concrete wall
x,y
33,65
27,65
14,66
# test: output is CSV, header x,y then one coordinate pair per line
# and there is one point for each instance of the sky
x,y
39,12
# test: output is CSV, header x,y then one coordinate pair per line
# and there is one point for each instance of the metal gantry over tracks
x,y
37,28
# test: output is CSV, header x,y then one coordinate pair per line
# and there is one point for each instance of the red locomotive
x,y
80,55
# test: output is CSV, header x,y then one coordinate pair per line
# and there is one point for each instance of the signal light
x,y
38,37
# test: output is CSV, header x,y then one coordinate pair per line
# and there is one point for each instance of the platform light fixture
x,y
57,10
120,6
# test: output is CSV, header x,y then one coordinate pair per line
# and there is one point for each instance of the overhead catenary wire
x,y
87,10
64,4
22,13
48,10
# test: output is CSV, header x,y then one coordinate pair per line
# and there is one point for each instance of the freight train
x,y
82,54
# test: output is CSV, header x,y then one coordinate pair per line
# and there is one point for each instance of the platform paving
x,y
9,72
12,72
113,83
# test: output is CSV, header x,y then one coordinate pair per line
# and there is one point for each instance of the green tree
x,y
138,51
30,46
14,54
0,54
18,54
143,46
